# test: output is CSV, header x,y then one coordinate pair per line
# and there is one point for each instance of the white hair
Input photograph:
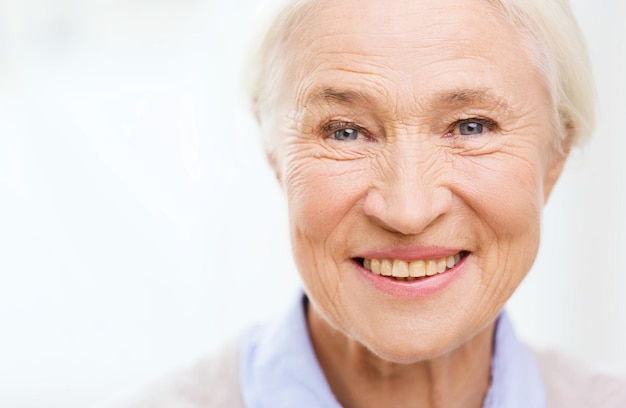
x,y
561,56
552,35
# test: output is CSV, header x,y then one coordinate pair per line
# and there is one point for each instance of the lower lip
x,y
417,289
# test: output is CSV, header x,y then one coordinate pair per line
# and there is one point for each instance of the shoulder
x,y
570,384
212,382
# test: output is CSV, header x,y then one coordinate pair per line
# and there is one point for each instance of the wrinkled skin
x,y
408,77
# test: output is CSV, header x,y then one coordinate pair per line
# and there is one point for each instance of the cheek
x,y
505,187
505,194
510,189
320,192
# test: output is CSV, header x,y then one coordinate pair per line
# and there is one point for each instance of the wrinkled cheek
x,y
321,193
506,195
311,221
517,229
310,230
309,195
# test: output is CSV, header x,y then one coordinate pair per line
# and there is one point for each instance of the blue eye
x,y
470,128
346,134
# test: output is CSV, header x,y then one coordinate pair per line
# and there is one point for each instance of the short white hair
x,y
552,35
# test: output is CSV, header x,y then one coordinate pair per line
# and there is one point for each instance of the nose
x,y
410,193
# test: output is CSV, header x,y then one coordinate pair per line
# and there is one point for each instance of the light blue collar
x,y
515,378
278,368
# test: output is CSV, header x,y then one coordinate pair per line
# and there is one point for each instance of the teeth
x,y
450,262
441,265
409,271
400,269
417,269
385,267
431,268
375,266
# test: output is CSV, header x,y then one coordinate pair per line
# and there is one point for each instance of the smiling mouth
x,y
411,270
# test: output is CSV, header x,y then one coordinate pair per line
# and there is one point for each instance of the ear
x,y
273,162
557,161
270,149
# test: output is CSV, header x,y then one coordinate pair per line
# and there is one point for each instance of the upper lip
x,y
409,254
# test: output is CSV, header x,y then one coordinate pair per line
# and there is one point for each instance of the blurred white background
x,y
140,225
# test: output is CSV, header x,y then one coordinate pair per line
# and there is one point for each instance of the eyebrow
x,y
472,97
343,96
455,98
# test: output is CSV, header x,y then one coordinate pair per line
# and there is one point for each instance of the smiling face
x,y
414,139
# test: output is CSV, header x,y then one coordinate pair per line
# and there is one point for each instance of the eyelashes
x,y
467,128
345,131
471,127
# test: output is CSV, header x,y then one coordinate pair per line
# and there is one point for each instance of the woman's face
x,y
414,139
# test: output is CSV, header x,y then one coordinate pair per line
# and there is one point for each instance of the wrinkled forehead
x,y
397,42
389,18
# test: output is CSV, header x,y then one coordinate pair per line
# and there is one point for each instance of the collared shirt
x,y
279,369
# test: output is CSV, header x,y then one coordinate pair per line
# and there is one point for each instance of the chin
x,y
406,342
409,347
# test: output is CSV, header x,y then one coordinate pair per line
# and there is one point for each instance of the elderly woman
x,y
416,142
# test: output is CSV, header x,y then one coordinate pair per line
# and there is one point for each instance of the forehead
x,y
419,46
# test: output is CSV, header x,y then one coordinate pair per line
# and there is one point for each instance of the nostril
x,y
407,211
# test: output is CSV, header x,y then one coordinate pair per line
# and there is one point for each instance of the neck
x,y
359,378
